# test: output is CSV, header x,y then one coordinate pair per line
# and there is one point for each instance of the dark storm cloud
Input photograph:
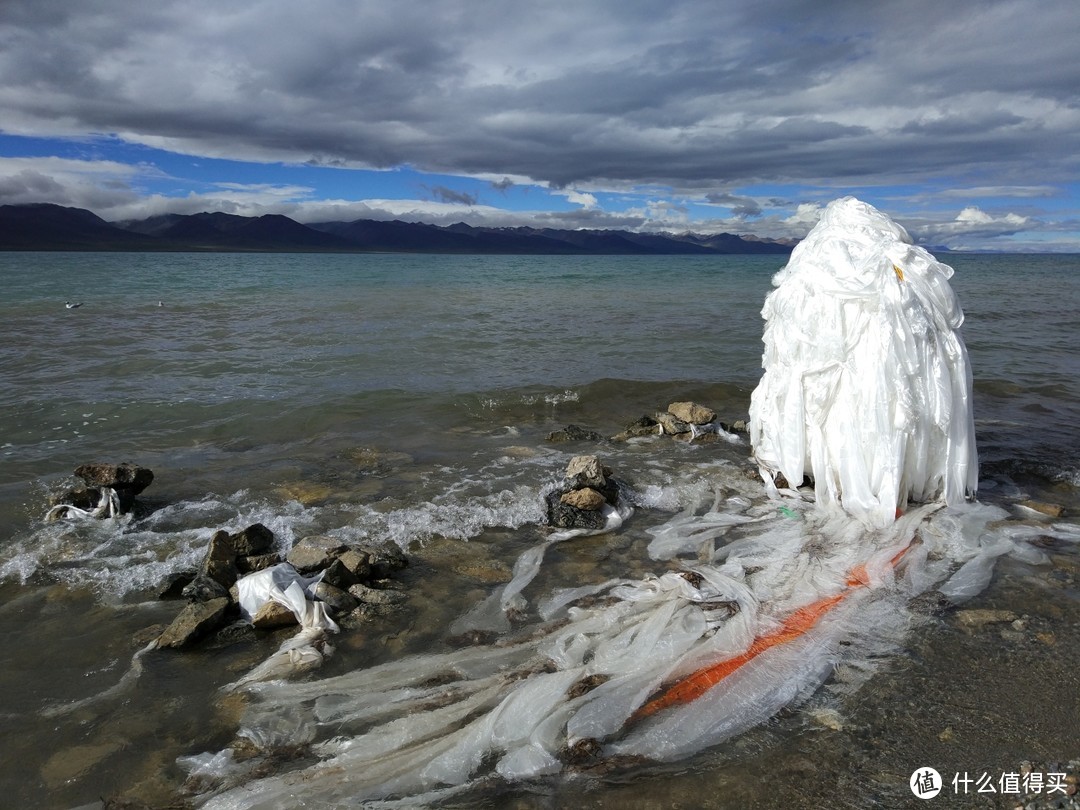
x,y
694,94
740,206
449,195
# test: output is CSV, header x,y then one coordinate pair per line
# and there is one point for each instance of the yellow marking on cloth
x,y
899,272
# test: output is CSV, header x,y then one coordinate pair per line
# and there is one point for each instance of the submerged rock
x,y
975,618
644,426
564,516
574,433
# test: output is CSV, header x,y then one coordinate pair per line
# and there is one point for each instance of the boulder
x,y
126,476
587,499
338,575
256,539
194,621
127,480
172,587
384,560
692,413
314,553
585,471
340,601
357,562
645,426
574,433
249,565
220,561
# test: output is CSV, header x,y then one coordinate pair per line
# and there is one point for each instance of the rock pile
x,y
352,577
686,421
579,502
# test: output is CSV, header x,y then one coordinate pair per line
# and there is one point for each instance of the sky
x,y
959,119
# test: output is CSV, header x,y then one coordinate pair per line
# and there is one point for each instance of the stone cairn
x,y
579,501
354,582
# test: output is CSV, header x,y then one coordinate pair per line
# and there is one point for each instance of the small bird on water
x,y
70,305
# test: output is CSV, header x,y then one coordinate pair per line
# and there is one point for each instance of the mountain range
x,y
44,226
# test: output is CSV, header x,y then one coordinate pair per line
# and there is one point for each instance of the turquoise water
x,y
392,398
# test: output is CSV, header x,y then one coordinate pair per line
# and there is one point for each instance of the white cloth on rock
x,y
867,387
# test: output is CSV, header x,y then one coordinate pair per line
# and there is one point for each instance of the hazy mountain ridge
x,y
45,226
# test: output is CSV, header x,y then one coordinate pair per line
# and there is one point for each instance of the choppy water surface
x,y
402,399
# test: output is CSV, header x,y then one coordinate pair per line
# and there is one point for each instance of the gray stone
x,y
194,621
314,553
220,561
357,562
385,560
574,433
204,589
254,540
172,587
585,471
645,426
340,601
249,565
671,424
81,497
692,413
117,476
338,575
221,547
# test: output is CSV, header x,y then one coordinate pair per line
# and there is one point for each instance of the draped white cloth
x,y
867,387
